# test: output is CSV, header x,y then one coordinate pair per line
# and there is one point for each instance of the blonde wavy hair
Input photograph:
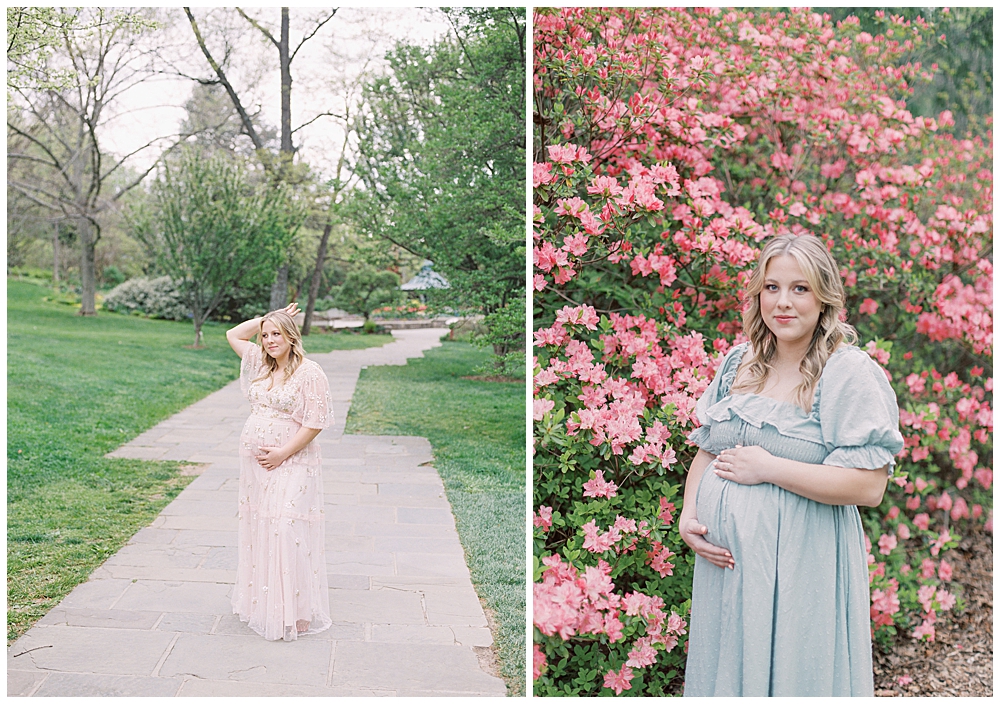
x,y
831,332
290,331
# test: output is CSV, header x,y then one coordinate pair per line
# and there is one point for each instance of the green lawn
x,y
477,431
77,388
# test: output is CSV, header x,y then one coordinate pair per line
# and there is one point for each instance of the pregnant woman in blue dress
x,y
798,428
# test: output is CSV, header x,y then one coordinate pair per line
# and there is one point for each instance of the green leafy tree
x,y
213,230
281,169
441,154
366,289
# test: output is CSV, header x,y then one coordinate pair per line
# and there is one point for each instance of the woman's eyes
x,y
797,289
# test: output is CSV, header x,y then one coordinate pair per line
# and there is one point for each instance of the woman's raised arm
x,y
239,337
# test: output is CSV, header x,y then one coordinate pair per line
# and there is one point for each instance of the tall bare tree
x,y
278,166
57,130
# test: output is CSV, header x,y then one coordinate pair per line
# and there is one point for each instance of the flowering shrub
x,y
671,143
409,309
157,298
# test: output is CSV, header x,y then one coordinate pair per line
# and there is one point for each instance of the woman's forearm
x,y
239,337
303,437
829,484
245,330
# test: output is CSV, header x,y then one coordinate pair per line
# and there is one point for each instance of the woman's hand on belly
x,y
744,465
270,457
693,533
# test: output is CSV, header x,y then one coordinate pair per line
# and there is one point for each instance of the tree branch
x,y
311,34
322,114
258,27
244,118
461,42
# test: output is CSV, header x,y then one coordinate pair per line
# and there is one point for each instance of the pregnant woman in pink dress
x,y
281,585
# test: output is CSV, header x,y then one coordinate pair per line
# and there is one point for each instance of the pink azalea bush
x,y
669,145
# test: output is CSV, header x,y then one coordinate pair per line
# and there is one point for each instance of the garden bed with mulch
x,y
959,662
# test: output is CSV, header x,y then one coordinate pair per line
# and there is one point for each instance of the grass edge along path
x,y
78,388
477,433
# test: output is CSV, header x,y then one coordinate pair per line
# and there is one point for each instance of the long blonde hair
x,y
831,332
290,331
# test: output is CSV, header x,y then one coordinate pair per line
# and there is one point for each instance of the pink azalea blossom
x,y
642,654
924,631
886,544
944,571
940,542
984,476
540,407
925,595
625,525
868,307
542,174
620,680
543,519
538,662
598,488
946,600
944,502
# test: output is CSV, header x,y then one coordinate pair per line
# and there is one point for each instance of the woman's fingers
x,y
716,554
726,474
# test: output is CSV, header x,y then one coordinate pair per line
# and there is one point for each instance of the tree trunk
x,y
285,61
55,255
317,277
198,338
279,291
88,287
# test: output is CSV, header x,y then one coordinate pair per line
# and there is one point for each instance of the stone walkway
x,y
155,619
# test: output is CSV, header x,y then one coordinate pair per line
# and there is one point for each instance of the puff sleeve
x,y
251,367
716,391
859,416
314,406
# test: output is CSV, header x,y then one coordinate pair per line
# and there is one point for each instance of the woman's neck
x,y
790,354
281,362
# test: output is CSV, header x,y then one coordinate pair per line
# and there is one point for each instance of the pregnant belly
x,y
738,515
763,522
261,432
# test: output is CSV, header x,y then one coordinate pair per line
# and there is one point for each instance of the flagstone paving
x,y
155,619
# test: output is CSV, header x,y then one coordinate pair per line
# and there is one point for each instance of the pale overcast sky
x,y
153,108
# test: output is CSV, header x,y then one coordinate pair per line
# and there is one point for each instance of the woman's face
x,y
273,341
787,303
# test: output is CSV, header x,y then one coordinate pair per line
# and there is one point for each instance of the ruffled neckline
x,y
756,409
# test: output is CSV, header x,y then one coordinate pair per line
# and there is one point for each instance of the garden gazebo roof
x,y
426,279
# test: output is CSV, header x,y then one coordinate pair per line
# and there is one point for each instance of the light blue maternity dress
x,y
792,618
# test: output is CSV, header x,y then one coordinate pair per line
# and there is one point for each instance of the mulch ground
x,y
959,663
